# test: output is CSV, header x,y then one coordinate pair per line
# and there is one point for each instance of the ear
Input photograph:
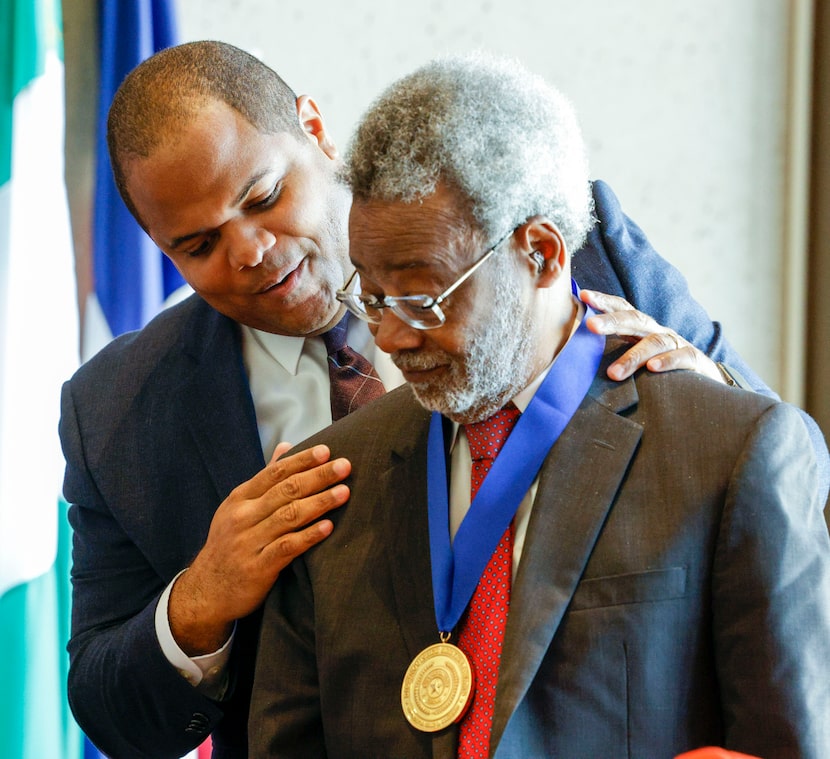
x,y
543,250
311,122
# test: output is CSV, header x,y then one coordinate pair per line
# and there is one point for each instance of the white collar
x,y
284,349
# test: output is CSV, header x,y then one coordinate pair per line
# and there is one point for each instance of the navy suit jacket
x,y
158,428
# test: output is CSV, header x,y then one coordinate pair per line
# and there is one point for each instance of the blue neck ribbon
x,y
456,568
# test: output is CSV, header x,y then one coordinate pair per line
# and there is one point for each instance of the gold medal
x,y
437,687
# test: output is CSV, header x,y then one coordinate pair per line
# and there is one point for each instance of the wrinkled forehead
x,y
393,235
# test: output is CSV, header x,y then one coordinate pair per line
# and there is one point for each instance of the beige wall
x,y
684,106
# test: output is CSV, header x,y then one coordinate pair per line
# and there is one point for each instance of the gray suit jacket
x,y
673,592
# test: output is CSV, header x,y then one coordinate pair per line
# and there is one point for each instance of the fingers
x,y
604,302
279,468
295,502
620,317
687,356
659,351
290,492
663,352
281,551
260,527
304,498
281,448
657,348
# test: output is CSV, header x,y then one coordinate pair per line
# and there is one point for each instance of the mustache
x,y
418,360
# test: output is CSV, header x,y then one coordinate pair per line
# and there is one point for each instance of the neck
x,y
555,319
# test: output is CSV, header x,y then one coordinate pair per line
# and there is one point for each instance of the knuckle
x,y
290,488
236,519
237,494
289,513
633,356
284,546
277,470
612,319
641,319
619,304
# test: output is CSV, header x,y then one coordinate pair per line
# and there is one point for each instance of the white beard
x,y
493,368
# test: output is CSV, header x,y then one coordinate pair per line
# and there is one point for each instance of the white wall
x,y
682,103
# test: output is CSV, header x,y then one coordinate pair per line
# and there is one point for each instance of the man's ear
x,y
543,250
311,122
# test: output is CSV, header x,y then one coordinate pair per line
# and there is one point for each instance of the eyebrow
x,y
396,267
176,242
254,179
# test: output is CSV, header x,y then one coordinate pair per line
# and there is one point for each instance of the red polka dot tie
x,y
482,632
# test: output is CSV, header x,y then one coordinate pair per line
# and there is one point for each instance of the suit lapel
x,y
215,398
403,487
577,485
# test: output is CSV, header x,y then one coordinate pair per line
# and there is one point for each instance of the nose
x,y
393,334
247,244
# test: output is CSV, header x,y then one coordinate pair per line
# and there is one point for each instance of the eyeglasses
x,y
418,311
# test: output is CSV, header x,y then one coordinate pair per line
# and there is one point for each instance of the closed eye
x,y
204,247
269,199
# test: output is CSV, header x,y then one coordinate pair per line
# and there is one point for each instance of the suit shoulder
x,y
684,401
393,416
704,393
685,389
132,356
691,410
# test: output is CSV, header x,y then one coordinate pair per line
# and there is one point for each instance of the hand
x,y
657,348
255,533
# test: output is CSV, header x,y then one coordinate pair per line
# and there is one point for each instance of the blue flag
x,y
132,277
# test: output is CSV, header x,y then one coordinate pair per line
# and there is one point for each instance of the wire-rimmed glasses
x,y
418,311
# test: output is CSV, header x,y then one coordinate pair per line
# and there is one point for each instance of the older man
x,y
611,570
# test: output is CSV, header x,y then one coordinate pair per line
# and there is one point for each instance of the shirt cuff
x,y
733,377
207,673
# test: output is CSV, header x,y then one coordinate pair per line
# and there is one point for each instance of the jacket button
x,y
199,723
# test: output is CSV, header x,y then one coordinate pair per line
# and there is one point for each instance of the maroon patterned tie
x,y
482,632
354,381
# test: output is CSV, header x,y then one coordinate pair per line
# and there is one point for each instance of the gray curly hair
x,y
504,137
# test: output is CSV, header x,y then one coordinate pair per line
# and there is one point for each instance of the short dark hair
x,y
161,95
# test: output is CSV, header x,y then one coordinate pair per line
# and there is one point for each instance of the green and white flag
x,y
38,313
38,350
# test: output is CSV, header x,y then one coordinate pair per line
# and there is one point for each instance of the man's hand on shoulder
x,y
255,533
658,348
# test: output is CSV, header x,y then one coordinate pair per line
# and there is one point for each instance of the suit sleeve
x,y
123,692
618,259
286,718
771,598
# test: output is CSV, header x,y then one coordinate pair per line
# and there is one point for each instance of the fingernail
x,y
341,467
320,452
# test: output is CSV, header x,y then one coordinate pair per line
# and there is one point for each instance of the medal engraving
x,y
437,688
